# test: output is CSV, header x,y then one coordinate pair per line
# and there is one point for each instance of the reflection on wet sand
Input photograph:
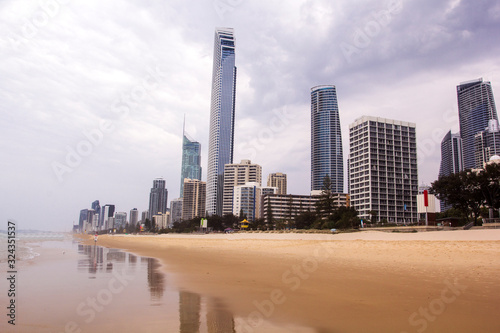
x,y
218,318
155,279
196,313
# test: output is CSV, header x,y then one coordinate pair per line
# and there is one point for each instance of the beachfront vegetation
x,y
470,191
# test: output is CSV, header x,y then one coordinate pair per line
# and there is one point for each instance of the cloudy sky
x,y
93,93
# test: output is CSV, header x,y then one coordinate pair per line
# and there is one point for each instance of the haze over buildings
x,y
100,109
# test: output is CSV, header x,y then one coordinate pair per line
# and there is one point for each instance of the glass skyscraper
x,y
158,198
476,107
221,137
326,139
191,160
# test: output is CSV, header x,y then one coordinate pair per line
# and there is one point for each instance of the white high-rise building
x,y
383,174
221,137
238,174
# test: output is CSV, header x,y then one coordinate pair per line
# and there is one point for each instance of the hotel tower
x,y
221,133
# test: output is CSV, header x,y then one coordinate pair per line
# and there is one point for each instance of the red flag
x,y
426,198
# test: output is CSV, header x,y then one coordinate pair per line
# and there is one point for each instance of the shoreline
x,y
363,281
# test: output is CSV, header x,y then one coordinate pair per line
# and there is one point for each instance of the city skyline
x,y
95,110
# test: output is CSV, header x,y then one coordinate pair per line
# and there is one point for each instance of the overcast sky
x,y
93,93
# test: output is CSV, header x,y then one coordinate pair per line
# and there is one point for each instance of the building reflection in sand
x,y
196,313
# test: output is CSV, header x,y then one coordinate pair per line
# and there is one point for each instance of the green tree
x,y
461,190
305,220
325,206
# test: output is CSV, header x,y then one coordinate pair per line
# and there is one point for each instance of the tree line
x,y
470,192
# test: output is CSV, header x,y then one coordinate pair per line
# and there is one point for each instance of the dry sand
x,y
444,281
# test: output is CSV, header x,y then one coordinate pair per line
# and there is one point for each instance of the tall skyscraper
x,y
451,154
191,160
278,180
326,139
383,174
195,195
176,210
97,208
476,107
134,217
238,174
221,137
451,159
108,211
158,198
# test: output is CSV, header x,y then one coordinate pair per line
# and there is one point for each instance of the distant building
x,y
246,201
144,216
326,139
176,210
120,220
191,160
134,217
279,181
286,207
383,173
238,174
97,208
193,203
160,220
222,110
476,107
487,144
108,211
451,159
84,213
158,198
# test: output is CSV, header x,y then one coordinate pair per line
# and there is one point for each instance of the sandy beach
x,y
444,281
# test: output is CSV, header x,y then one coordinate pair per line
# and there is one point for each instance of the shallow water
x,y
64,286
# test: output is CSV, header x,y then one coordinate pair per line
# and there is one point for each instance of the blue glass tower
x,y
476,107
326,139
191,160
221,137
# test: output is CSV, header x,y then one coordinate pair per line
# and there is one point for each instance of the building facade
x,y
222,111
277,180
476,107
383,173
486,144
451,159
176,210
158,197
134,217
191,160
287,207
120,220
246,201
238,174
326,139
193,201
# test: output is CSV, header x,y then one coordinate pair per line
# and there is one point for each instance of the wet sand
x,y
445,281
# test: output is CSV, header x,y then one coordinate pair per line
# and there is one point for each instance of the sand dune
x,y
445,281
